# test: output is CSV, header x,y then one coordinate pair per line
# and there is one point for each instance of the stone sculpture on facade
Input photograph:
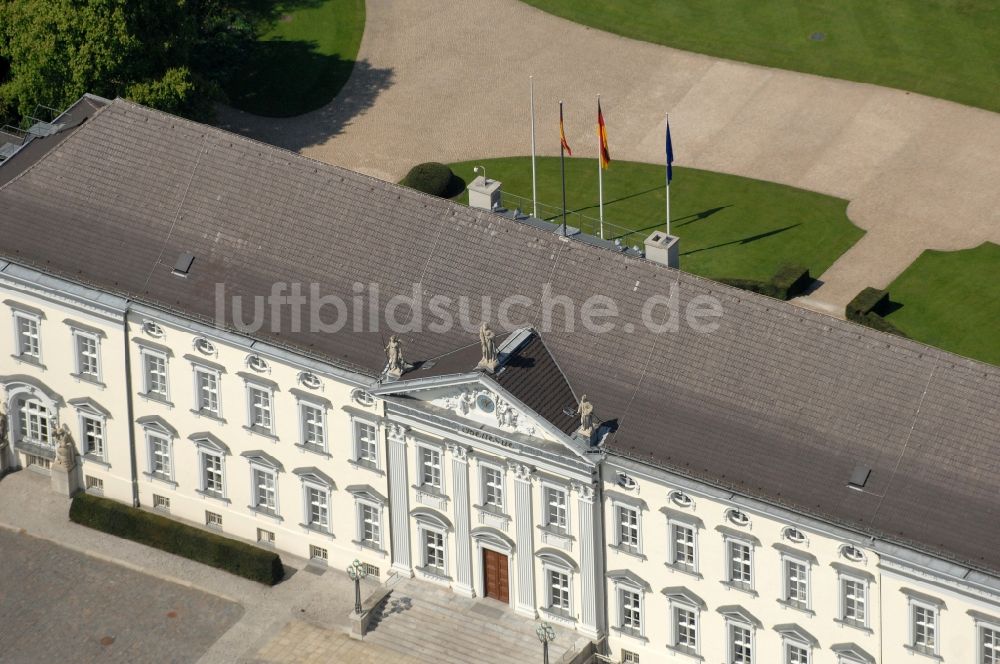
x,y
65,449
586,412
396,366
488,347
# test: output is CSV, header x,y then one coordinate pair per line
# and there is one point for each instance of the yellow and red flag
x,y
602,136
562,133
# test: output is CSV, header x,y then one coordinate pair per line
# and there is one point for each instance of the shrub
x,y
171,536
433,178
788,282
876,322
868,300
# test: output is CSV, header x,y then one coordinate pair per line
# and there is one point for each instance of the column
x,y
399,500
463,538
591,581
525,535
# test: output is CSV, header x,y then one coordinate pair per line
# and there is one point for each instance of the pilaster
x,y
463,539
524,525
591,582
399,500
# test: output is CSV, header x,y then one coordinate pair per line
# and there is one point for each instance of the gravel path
x,y
446,81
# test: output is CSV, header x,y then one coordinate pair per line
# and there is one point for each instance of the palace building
x,y
775,487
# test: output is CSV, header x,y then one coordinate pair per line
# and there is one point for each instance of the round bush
x,y
433,178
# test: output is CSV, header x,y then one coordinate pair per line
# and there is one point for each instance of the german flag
x,y
562,133
602,136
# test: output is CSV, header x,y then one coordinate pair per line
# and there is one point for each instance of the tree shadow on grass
x,y
746,240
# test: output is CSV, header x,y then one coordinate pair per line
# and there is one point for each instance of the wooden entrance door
x,y
495,576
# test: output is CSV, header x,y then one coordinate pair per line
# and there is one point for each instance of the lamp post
x,y
357,572
545,634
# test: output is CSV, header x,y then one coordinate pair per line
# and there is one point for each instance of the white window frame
x,y
145,354
268,391
982,627
83,415
423,465
19,342
640,608
499,488
548,569
305,423
307,505
865,584
547,509
152,457
731,626
198,370
618,507
255,505
786,651
730,542
79,336
672,547
203,456
935,613
356,424
46,421
377,508
786,580
675,605
423,530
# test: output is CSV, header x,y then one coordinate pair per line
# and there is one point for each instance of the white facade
x,y
424,477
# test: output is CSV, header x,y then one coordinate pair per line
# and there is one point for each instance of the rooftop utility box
x,y
663,248
484,194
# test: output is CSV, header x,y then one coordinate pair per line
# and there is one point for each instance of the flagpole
x,y
666,172
600,174
534,181
562,167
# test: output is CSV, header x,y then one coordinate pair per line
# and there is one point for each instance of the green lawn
x,y
730,226
942,48
951,299
304,56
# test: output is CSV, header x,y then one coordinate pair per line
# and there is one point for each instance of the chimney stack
x,y
664,249
484,194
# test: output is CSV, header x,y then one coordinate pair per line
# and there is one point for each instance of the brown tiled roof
x,y
531,374
779,403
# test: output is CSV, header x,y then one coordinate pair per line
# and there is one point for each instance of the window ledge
x,y
268,514
558,616
918,651
628,551
631,633
369,546
740,588
96,460
683,570
314,450
260,431
492,511
156,398
367,465
685,653
87,378
38,449
29,359
213,496
854,625
324,532
433,573
431,491
210,415
161,479
555,532
796,607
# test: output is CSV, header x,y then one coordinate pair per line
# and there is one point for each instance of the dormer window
x,y
258,364
681,499
738,518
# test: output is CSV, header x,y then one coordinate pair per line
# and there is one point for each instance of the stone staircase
x,y
440,627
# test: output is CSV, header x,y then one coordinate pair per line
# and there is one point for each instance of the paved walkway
x,y
445,80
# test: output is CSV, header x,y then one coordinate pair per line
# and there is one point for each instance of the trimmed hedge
x,y
433,178
866,309
788,282
171,536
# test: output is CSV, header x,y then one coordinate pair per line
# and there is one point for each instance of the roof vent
x,y
859,478
183,264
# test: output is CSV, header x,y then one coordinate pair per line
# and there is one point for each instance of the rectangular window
x,y
685,630
318,553
313,427
265,537
34,424
213,520
797,583
559,591
924,620
629,657
796,654
628,527
93,436
161,503
27,336
631,615
855,602
207,383
94,484
260,407
555,509
265,491
159,456
319,509
366,443
434,551
740,645
371,527
87,361
155,367
989,638
493,488
682,540
740,564
211,465
430,468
